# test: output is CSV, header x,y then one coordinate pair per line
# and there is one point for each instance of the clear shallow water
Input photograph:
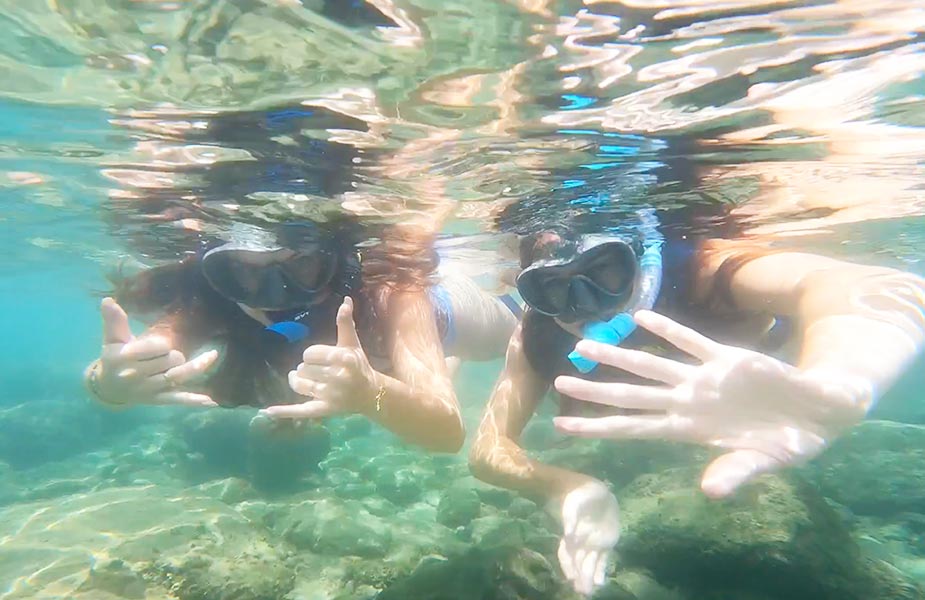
x,y
130,130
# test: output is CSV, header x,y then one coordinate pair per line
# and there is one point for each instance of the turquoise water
x,y
130,131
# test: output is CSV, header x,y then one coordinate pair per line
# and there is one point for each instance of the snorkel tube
x,y
648,286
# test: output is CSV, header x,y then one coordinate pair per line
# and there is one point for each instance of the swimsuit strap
x,y
513,305
443,313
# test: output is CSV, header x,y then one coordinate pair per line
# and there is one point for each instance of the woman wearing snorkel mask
x,y
853,330
309,327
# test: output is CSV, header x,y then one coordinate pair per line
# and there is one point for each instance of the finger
x,y
640,427
623,395
146,348
153,385
637,362
116,329
569,516
578,581
684,338
301,385
586,571
185,399
313,409
146,368
565,561
328,355
306,387
729,471
192,368
600,570
317,372
347,336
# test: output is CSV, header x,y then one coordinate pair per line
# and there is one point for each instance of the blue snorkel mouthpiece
x,y
610,332
291,329
648,285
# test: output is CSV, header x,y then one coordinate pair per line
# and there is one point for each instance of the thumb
x,y
346,329
729,471
115,323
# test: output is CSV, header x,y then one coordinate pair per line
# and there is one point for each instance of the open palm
x,y
768,414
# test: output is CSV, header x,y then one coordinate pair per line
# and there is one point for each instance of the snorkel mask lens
x,y
280,279
593,283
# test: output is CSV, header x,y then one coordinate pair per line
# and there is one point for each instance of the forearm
x,y
427,417
864,326
495,456
503,463
855,324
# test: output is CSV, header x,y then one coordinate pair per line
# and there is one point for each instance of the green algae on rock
x,y
876,469
458,507
482,575
777,538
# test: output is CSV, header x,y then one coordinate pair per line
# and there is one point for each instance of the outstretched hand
x,y
590,519
766,413
338,379
145,370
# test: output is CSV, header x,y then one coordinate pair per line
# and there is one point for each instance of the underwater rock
x,y
416,533
397,478
620,462
216,443
249,576
876,469
38,432
494,496
490,495
497,532
115,577
777,538
899,545
642,585
458,507
523,508
279,456
400,477
514,574
350,427
337,528
274,457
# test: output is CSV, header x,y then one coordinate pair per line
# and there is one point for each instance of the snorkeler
x,y
849,329
308,327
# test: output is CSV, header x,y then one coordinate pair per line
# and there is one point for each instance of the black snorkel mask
x,y
585,280
598,282
290,284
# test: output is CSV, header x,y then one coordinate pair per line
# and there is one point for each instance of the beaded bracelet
x,y
93,372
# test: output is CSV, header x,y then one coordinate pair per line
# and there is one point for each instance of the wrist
x,y
373,397
857,394
574,481
565,483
